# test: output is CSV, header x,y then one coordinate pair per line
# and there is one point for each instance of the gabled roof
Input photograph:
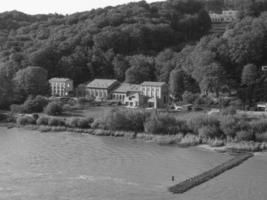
x,y
59,79
126,87
101,83
150,83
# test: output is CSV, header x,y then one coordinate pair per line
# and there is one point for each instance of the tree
x,y
213,79
248,80
32,81
120,66
176,83
249,74
165,62
142,69
6,91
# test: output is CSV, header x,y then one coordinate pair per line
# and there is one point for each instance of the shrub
x,y
124,120
203,100
230,110
25,120
197,122
261,137
55,122
42,121
216,142
3,117
244,135
229,125
99,124
190,140
222,102
53,108
209,131
189,97
164,124
82,100
36,104
84,123
73,122
258,126
17,108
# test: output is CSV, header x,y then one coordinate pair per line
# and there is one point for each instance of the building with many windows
x,y
101,89
157,92
61,86
226,16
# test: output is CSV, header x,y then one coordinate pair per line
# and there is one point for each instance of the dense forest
x,y
164,41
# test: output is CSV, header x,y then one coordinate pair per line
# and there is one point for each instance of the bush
x,y
54,108
223,103
17,108
190,140
3,117
164,124
25,120
229,125
244,135
197,122
42,121
189,97
36,104
124,120
230,110
210,131
73,122
31,105
258,126
203,100
261,137
55,122
84,123
99,124
216,143
79,122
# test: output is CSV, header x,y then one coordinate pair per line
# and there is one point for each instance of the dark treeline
x,y
133,43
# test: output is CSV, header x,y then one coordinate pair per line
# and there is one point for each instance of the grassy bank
x,y
199,179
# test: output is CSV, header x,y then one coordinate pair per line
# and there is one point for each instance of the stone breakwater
x,y
199,179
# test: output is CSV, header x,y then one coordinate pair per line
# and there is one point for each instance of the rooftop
x,y
126,87
150,83
59,79
101,83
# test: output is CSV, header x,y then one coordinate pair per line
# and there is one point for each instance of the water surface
x,y
59,166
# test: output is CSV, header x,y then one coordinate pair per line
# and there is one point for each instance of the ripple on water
x,y
48,166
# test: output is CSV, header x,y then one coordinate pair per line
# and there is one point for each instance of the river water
x,y
68,166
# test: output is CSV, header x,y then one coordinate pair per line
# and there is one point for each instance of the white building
x,y
226,16
158,93
124,90
61,86
101,89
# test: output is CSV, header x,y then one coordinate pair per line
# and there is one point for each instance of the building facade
x,y
135,100
61,86
157,92
101,89
226,16
124,90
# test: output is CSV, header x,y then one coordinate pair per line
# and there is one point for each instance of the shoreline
x,y
163,140
237,157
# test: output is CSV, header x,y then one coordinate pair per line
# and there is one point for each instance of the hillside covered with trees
x,y
164,41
